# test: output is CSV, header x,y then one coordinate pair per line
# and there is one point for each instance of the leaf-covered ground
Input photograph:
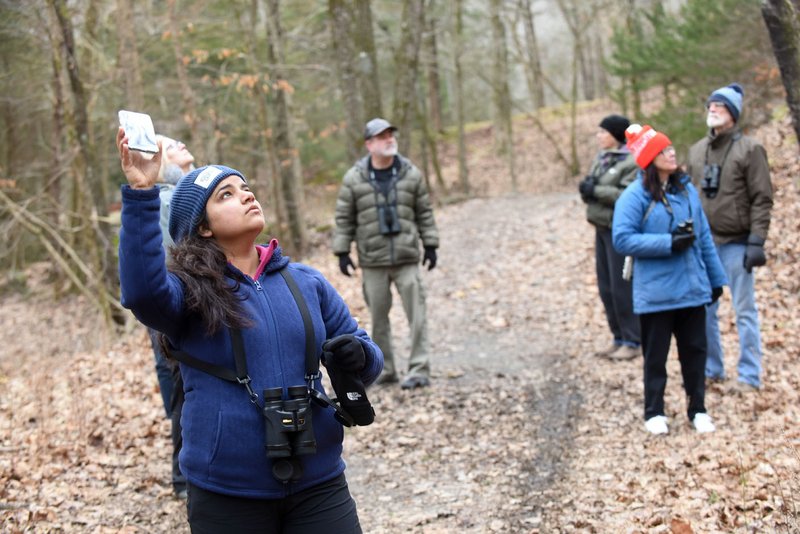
x,y
524,430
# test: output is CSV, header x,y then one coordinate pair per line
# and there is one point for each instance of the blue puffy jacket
x,y
663,280
223,432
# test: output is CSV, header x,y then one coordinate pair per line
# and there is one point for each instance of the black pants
x,y
689,327
326,507
176,407
616,293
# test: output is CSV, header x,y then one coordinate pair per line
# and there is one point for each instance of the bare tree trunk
x,y
600,56
429,143
504,139
406,70
369,77
578,24
288,157
458,96
342,29
533,63
129,57
187,94
573,145
432,66
89,200
782,18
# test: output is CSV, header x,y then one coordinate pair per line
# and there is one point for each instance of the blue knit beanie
x,y
730,95
188,205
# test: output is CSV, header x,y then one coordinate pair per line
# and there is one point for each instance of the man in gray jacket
x,y
732,172
383,206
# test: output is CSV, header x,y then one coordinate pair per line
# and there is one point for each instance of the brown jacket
x,y
743,203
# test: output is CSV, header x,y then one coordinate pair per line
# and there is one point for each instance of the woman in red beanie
x,y
659,221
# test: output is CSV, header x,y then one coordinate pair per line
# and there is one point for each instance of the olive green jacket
x,y
612,171
743,203
357,217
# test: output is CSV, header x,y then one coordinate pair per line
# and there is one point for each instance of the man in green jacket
x,y
732,171
383,206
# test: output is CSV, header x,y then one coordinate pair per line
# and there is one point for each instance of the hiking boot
x,y
703,424
743,388
625,352
604,353
415,381
657,425
386,378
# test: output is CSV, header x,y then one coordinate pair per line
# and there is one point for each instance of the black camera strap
x,y
735,137
241,376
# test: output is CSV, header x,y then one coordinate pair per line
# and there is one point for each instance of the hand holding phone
x,y
139,129
141,170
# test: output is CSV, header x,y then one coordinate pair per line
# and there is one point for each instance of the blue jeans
x,y
163,372
742,287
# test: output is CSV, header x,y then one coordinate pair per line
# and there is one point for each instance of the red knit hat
x,y
645,143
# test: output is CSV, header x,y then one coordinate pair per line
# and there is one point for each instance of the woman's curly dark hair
x,y
201,265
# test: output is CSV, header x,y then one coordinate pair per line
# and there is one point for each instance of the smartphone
x,y
139,129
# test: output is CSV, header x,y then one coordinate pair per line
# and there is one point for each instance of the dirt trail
x,y
477,452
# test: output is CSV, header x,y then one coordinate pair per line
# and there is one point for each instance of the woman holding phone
x,y
225,297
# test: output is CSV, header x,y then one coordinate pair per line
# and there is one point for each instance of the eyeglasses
x,y
174,144
670,150
716,105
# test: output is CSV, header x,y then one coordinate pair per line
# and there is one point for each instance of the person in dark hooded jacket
x,y
613,169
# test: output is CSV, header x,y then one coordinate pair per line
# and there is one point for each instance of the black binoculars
x,y
388,222
685,227
289,430
710,184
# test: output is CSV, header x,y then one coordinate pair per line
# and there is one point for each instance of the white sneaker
x,y
702,423
657,425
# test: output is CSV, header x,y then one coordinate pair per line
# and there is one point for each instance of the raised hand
x,y
140,169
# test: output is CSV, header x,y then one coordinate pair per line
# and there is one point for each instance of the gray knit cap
x,y
188,205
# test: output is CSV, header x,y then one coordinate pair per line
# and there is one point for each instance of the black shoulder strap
x,y
241,376
312,362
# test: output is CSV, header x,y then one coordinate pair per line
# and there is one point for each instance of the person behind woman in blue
x,y
176,160
220,283
659,221
612,171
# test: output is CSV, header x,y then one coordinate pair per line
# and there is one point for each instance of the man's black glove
x,y
429,257
681,241
586,189
716,293
344,263
344,357
344,352
754,254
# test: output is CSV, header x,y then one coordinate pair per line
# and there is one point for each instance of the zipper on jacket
x,y
257,284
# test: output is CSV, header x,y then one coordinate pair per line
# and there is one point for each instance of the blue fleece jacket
x,y
663,280
223,432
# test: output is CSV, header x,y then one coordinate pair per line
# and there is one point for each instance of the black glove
x,y
716,293
344,352
586,189
344,263
681,241
754,254
344,356
429,257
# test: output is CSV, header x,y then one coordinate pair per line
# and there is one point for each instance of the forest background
x,y
281,90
